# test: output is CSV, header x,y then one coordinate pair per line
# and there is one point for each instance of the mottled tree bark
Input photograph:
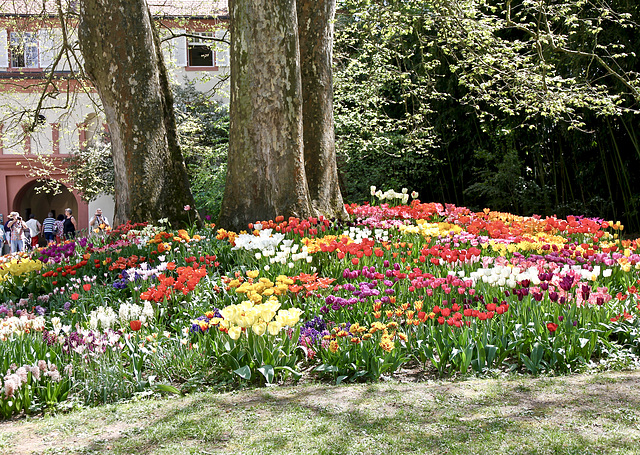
x,y
266,174
122,57
315,34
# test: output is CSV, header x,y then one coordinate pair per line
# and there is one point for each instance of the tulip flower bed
x,y
437,288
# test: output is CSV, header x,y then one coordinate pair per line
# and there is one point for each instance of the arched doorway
x,y
36,198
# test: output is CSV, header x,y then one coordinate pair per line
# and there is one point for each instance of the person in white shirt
x,y
35,227
17,227
99,223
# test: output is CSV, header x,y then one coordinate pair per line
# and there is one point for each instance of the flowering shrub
x,y
435,286
30,387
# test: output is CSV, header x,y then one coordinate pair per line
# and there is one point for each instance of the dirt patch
x,y
584,404
32,438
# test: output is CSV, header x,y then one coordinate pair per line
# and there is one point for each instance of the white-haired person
x,y
69,224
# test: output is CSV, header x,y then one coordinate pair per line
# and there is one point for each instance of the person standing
x,y
49,228
60,228
70,224
7,231
35,228
99,223
17,227
2,236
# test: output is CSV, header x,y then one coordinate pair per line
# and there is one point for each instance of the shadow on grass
x,y
388,419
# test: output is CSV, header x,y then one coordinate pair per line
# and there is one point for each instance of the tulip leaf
x,y
167,388
267,372
296,374
339,379
324,368
244,372
359,374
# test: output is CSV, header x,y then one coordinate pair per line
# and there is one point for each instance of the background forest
x,y
527,107
452,100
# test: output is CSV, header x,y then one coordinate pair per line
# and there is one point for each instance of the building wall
x,y
70,114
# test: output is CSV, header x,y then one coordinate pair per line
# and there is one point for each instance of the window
x,y
200,52
24,49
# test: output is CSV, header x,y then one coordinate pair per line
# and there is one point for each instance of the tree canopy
x,y
522,106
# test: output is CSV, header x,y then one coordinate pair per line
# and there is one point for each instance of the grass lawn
x,y
581,414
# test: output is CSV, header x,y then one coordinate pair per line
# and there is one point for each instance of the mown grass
x,y
583,414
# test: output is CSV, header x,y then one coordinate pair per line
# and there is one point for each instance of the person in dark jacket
x,y
69,224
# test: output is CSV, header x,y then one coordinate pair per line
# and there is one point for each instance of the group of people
x,y
23,235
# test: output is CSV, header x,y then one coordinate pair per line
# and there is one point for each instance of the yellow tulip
x,y
235,332
259,328
253,273
247,319
295,315
274,327
289,317
267,314
229,312
245,305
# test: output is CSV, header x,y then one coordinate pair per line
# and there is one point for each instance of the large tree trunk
x,y
266,174
315,30
122,57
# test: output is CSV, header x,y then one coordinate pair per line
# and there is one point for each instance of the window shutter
x,y
222,49
4,49
49,40
180,48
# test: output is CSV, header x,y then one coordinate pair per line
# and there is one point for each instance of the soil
x,y
558,401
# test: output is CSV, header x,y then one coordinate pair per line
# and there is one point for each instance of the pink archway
x,y
29,196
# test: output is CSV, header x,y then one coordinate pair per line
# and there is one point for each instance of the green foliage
x,y
106,380
518,106
365,361
203,131
382,99
185,364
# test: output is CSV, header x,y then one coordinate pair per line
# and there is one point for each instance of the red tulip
x,y
135,325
